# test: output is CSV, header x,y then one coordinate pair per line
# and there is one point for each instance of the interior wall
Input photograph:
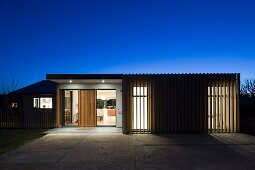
x,y
75,106
116,86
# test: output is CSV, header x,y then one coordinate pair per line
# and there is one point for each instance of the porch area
x,y
76,129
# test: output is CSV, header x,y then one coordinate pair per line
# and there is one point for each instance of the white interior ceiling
x,y
106,94
75,81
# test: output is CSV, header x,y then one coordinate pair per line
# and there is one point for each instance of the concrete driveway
x,y
119,151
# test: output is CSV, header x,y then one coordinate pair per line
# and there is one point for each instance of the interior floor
x,y
71,124
104,118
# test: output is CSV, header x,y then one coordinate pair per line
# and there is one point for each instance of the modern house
x,y
149,103
140,103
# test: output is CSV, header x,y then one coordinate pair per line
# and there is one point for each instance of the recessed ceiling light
x,y
102,81
70,81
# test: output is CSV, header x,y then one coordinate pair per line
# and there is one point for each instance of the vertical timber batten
x,y
178,103
238,102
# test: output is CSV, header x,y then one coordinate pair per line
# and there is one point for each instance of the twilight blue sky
x,y
120,36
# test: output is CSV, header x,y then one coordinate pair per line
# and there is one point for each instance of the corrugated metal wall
x,y
180,103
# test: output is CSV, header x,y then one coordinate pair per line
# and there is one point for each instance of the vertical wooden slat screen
x,y
183,102
238,102
221,106
125,104
235,112
214,107
210,105
223,100
150,106
137,105
230,107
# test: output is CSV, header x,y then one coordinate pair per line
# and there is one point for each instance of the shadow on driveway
x,y
145,151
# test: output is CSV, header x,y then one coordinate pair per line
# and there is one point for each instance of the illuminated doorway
x,y
70,113
106,108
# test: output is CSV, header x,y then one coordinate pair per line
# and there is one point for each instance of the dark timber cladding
x,y
175,103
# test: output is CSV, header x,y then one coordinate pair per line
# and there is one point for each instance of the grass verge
x,y
13,138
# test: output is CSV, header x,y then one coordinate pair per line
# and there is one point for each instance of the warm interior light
x,y
140,108
102,81
70,81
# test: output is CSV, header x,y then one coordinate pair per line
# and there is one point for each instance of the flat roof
x,y
84,76
117,78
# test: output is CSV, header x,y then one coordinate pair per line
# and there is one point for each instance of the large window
x,y
43,102
140,111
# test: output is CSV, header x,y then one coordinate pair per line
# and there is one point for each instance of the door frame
x,y
63,105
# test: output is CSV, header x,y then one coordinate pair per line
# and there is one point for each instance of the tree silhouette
x,y
8,87
248,87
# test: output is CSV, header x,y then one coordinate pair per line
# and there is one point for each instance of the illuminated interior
x,y
71,107
221,109
140,111
42,103
106,107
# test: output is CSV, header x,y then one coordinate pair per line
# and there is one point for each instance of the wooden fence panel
x,y
35,119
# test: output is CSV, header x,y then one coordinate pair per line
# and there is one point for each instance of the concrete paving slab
x,y
147,151
42,156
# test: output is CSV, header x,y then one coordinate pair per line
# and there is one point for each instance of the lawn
x,y
13,138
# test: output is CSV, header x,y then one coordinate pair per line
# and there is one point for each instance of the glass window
x,y
14,104
36,103
46,102
43,102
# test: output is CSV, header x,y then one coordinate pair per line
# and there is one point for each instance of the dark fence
x,y
247,110
35,119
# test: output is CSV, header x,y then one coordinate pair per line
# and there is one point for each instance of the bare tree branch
x,y
8,87
3,87
248,87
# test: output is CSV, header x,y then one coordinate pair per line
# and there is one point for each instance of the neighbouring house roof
x,y
41,87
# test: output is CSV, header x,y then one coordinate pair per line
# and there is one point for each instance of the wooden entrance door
x,y
87,108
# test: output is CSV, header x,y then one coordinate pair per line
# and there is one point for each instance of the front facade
x,y
149,103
